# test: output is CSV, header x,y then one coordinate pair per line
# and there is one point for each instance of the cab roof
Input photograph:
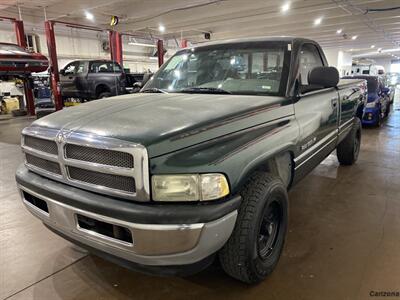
x,y
287,39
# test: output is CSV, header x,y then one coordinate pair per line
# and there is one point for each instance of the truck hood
x,y
167,122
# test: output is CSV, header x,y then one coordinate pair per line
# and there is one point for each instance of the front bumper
x,y
153,243
371,116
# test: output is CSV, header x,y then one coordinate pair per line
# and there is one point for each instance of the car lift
x,y
20,34
115,39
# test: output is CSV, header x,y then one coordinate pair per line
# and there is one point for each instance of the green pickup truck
x,y
196,166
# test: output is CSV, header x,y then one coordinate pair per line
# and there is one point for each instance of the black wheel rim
x,y
269,230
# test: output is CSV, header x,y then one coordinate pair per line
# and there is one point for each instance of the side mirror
x,y
324,76
62,72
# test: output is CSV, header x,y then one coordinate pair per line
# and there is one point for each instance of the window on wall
x,y
32,42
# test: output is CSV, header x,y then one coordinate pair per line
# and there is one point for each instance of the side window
x,y
116,67
100,67
80,67
70,68
309,59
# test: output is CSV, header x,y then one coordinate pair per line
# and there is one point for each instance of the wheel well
x,y
281,165
101,88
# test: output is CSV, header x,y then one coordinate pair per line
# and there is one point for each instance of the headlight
x,y
191,187
370,105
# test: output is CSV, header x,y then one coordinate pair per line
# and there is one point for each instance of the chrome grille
x,y
96,163
41,144
111,181
43,164
99,156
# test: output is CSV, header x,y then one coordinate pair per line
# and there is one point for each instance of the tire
x,y
104,95
19,112
379,121
387,112
256,243
349,148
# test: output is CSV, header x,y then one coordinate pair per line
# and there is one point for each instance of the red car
x,y
15,60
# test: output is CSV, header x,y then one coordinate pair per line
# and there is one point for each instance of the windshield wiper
x,y
205,90
154,90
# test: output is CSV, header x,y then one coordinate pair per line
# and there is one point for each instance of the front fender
x,y
236,155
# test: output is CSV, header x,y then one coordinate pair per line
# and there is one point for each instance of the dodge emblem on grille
x,y
60,137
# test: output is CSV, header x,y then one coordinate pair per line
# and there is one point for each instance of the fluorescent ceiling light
x,y
142,45
354,37
317,21
89,16
372,46
285,7
161,28
339,31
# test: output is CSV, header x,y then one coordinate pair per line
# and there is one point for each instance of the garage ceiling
x,y
235,18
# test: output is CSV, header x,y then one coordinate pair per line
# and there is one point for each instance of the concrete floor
x,y
343,239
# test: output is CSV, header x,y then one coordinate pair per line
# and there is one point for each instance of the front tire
x,y
254,248
104,95
349,148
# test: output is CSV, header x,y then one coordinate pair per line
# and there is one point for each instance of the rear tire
x,y
19,112
387,112
254,248
349,148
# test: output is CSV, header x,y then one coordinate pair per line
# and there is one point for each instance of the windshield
x,y
244,69
372,84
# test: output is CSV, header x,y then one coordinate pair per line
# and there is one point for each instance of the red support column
x,y
160,52
183,43
21,41
20,33
116,47
54,75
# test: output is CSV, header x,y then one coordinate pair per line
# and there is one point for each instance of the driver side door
x,y
67,80
317,113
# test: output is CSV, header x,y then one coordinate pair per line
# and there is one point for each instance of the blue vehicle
x,y
377,105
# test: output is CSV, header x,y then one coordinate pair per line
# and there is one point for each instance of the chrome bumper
x,y
153,244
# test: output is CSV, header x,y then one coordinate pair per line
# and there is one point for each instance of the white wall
x,y
344,63
339,59
385,62
332,56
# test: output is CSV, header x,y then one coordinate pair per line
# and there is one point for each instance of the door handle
x,y
334,102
